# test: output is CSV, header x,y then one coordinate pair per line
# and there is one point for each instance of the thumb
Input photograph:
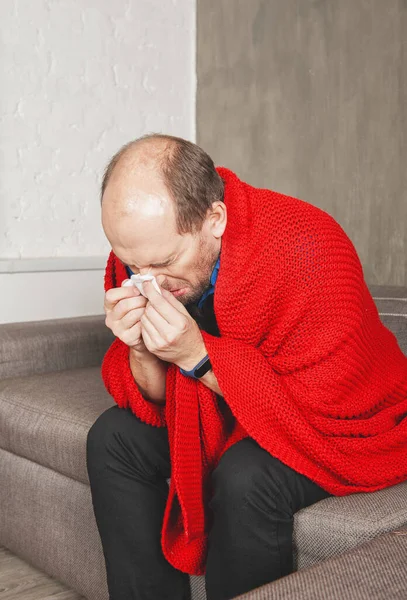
x,y
173,301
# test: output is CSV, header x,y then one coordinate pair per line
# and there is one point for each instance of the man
x,y
260,381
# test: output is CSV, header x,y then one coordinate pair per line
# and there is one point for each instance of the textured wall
x,y
309,97
79,79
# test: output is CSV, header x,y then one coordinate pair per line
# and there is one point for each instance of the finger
x,y
174,302
128,283
114,295
160,324
154,335
132,317
132,335
124,306
146,338
162,305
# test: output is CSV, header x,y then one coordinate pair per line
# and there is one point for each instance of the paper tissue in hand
x,y
138,279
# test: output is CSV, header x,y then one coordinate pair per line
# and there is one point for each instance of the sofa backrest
x,y
53,345
391,302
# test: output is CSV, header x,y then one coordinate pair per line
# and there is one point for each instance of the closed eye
x,y
157,265
154,266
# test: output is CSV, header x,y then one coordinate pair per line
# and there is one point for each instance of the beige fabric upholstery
x,y
338,524
375,570
53,345
47,519
46,418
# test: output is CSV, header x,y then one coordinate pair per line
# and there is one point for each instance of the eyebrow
x,y
161,264
156,264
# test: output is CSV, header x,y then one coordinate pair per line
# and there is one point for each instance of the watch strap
x,y
199,370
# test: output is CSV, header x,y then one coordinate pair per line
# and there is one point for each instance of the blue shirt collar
x,y
211,288
215,271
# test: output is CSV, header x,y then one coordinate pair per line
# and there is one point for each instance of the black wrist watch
x,y
199,370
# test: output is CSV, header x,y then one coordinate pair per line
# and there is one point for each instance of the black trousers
x,y
255,498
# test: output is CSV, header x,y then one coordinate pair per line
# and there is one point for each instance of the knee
x,y
103,434
247,475
101,430
233,479
118,436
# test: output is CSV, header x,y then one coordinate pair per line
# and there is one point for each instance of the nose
x,y
160,278
148,271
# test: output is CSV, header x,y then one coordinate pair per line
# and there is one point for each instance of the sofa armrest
x,y
53,345
375,570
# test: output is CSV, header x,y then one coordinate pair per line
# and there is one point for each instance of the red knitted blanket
x,y
303,361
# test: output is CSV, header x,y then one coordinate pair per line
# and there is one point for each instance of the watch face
x,y
203,369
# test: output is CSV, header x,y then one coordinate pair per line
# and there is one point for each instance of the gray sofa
x,y
375,570
50,394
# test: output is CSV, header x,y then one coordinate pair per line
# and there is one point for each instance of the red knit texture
x,y
304,363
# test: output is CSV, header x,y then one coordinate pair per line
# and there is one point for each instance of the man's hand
x,y
169,331
124,307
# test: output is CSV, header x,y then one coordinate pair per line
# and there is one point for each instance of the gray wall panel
x,y
308,97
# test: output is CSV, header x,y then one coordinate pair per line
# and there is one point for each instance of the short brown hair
x,y
189,175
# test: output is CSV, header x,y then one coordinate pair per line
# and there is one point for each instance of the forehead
x,y
139,220
154,253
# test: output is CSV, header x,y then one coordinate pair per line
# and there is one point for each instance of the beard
x,y
207,257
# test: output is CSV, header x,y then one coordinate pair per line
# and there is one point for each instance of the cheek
x,y
180,282
181,275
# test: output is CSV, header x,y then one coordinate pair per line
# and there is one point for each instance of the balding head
x,y
146,155
133,183
186,170
160,195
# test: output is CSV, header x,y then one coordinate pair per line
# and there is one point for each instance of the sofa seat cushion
x,y
46,418
337,524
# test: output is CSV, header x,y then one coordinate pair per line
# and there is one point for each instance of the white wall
x,y
78,80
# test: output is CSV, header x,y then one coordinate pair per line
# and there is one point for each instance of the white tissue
x,y
138,279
